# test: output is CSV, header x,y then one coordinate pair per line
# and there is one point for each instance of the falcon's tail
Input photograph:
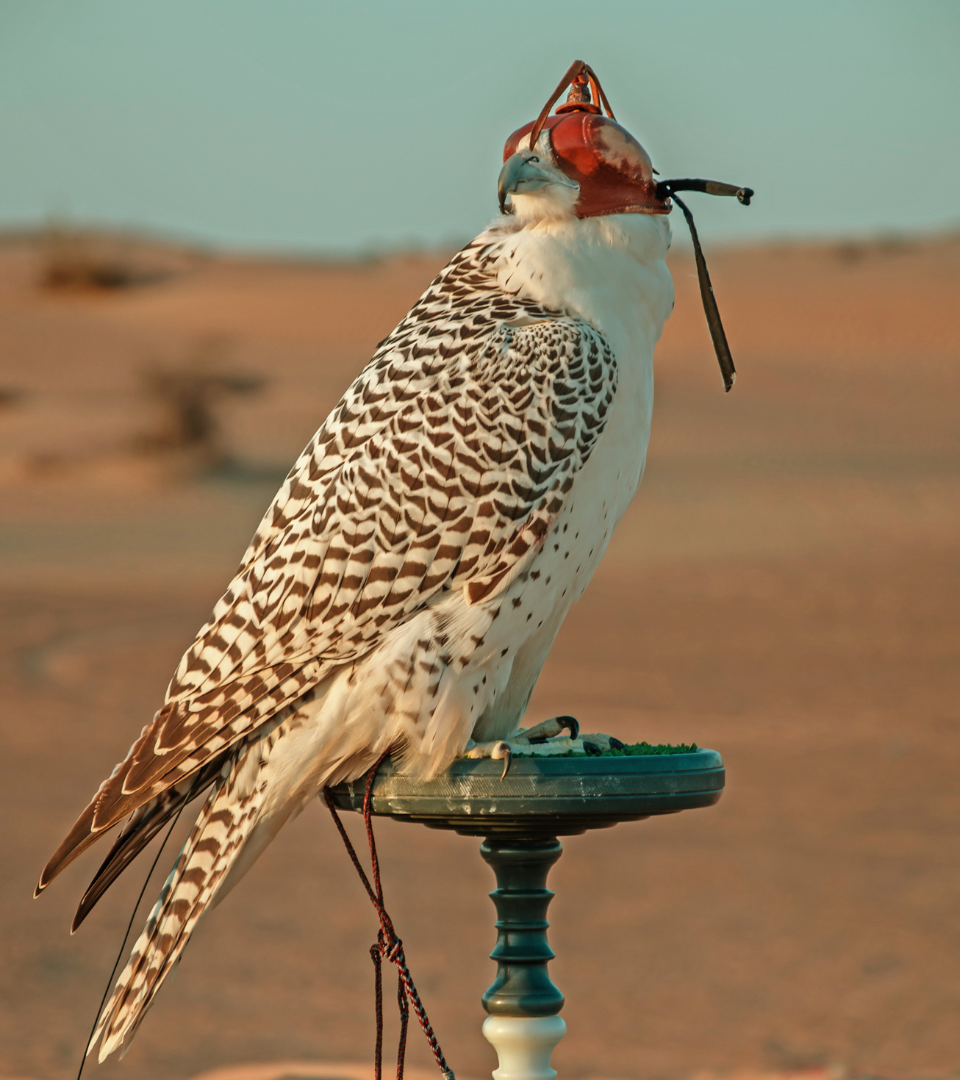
x,y
141,827
224,825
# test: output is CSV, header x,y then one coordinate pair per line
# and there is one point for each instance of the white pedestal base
x,y
524,1045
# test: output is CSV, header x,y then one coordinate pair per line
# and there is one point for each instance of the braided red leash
x,y
388,946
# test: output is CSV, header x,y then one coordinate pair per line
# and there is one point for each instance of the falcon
x,y
405,587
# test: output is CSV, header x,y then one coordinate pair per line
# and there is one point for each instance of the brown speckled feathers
x,y
441,468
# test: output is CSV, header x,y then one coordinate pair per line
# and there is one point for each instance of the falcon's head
x,y
577,163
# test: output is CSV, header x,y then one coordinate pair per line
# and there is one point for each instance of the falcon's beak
x,y
524,173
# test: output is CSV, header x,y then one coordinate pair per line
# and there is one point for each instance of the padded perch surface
x,y
544,796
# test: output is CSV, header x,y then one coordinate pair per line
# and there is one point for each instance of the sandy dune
x,y
785,589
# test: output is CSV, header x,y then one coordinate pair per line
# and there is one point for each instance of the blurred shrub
x,y
90,262
185,398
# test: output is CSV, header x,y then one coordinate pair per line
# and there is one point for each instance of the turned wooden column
x,y
523,1003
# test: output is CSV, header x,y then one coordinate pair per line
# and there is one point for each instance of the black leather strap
x,y
668,189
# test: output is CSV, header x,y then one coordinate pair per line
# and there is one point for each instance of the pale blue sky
x,y
318,127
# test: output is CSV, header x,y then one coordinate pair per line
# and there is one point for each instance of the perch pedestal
x,y
520,818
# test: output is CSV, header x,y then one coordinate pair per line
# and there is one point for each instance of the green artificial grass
x,y
640,749
644,749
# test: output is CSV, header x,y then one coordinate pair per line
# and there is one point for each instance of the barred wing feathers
x,y
441,468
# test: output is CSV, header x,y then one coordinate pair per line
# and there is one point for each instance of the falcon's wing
x,y
441,468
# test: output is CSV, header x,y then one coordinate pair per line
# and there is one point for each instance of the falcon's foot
x,y
543,740
549,729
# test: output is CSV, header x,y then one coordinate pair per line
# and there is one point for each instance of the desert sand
x,y
784,589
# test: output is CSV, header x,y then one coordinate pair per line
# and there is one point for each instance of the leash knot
x,y
393,951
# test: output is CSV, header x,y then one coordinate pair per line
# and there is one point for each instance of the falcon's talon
x,y
502,750
602,743
572,724
591,749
